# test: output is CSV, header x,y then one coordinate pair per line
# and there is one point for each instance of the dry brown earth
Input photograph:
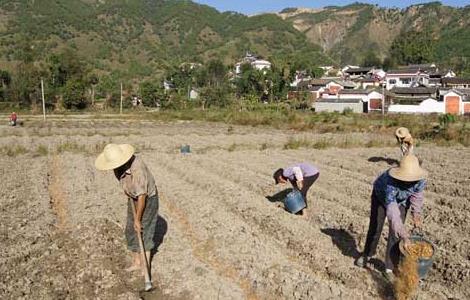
x,y
61,228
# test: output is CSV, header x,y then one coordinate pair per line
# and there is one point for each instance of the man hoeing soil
x,y
139,186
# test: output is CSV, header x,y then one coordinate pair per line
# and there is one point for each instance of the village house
x,y
334,86
457,102
419,92
320,82
300,76
347,67
406,78
414,100
372,99
455,83
436,77
360,72
256,63
261,64
368,82
309,89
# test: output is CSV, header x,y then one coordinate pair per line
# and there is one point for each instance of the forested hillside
x,y
86,48
143,37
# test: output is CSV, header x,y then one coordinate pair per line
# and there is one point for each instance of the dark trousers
x,y
307,183
149,224
376,223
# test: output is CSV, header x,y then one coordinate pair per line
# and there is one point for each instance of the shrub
x,y
42,150
74,95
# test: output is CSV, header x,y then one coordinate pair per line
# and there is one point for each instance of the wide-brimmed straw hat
x,y
402,132
114,156
409,170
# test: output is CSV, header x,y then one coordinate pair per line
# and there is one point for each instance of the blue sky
x,y
257,6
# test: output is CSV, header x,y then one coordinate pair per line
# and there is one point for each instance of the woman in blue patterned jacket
x,y
395,191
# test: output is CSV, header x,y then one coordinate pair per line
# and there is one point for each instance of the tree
x,y
74,95
152,94
5,78
215,72
108,87
218,96
371,59
388,63
249,82
24,88
93,81
64,66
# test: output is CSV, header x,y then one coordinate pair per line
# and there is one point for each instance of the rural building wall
x,y
466,108
375,104
425,107
339,107
452,104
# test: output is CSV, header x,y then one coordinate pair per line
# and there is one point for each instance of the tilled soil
x,y
221,233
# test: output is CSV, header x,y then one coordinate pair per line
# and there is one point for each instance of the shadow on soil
x,y
347,244
343,240
160,231
389,161
280,196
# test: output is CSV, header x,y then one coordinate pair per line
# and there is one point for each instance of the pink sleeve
x,y
393,215
298,173
417,200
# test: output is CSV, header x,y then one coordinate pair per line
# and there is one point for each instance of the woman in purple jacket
x,y
301,176
395,191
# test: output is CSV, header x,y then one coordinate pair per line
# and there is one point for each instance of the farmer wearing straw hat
x,y
139,186
405,140
394,192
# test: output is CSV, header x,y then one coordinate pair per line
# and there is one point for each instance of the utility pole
x,y
92,95
120,106
43,101
383,99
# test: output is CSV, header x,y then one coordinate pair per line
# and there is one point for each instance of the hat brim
x,y
102,164
402,132
408,177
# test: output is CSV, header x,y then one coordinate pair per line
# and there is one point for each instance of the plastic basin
x,y
185,149
294,202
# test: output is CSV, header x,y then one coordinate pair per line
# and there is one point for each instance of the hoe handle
x,y
148,283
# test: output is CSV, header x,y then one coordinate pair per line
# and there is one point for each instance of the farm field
x,y
221,233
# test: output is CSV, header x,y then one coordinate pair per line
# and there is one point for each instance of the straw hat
x,y
114,156
402,132
409,170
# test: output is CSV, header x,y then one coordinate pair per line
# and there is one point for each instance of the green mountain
x,y
143,37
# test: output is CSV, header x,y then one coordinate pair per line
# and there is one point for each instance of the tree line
x,y
71,83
